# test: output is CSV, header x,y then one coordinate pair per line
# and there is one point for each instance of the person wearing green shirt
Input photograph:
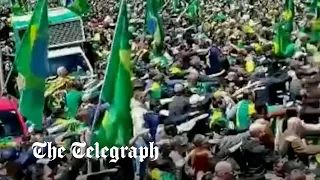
x,y
196,87
200,88
73,100
245,111
156,87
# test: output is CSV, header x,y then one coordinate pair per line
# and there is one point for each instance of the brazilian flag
x,y
288,15
154,26
116,126
282,46
120,37
32,64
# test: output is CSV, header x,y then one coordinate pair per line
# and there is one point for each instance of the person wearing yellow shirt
x,y
250,64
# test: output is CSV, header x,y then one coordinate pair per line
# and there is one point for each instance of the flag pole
x,y
1,75
8,78
95,117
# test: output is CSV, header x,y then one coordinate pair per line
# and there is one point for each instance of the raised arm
x,y
301,148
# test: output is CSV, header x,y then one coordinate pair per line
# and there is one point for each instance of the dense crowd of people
x,y
223,106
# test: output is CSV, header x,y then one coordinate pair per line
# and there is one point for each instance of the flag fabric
x,y
194,10
151,16
32,65
154,26
288,15
116,126
176,5
281,41
7,142
79,7
317,9
158,39
17,8
108,88
315,28
158,4
157,174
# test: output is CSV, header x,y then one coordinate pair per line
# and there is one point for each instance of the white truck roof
x,y
54,12
64,52
69,51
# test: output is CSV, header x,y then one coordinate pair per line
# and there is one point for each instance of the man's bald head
x,y
223,167
257,129
224,170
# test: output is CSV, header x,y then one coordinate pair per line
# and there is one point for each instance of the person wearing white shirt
x,y
138,110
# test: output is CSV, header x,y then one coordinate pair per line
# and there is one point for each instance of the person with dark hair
x,y
261,111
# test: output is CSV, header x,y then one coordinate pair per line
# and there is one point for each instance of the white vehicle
x,y
66,36
72,58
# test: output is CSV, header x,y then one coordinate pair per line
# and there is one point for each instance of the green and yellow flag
x,y
154,26
116,126
152,14
158,39
120,35
278,41
32,64
17,7
193,11
288,15
282,46
79,7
